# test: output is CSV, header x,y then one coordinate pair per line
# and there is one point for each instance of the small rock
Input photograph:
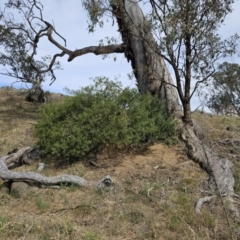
x,y
20,189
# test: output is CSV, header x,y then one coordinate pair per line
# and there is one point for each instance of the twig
x,y
94,163
201,201
149,190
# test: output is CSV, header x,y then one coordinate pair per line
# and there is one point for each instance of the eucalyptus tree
x,y
16,59
182,33
223,95
19,64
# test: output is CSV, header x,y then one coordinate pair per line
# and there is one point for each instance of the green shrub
x,y
103,114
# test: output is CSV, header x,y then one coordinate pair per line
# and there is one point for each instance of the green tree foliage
x,y
104,114
224,94
188,39
17,58
14,54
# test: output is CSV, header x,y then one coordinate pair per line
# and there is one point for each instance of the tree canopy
x,y
223,95
17,56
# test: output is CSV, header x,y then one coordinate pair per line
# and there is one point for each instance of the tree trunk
x,y
153,76
220,170
187,113
140,48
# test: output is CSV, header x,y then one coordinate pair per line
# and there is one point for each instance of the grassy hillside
x,y
153,196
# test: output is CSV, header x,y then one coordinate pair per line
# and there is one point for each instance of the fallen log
x,y
41,180
5,174
19,157
33,178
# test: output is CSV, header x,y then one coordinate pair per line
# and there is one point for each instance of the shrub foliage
x,y
103,114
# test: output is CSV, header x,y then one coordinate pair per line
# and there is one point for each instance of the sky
x,y
70,20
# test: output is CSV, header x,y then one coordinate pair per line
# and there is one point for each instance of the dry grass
x,y
145,203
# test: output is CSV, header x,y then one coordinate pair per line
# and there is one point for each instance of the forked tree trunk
x,y
153,76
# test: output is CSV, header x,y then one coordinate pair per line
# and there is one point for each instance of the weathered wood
x,y
220,170
201,201
36,94
33,178
17,158
41,167
5,174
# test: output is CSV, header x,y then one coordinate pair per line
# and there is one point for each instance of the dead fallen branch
x,y
41,166
22,156
39,179
19,157
201,201
5,174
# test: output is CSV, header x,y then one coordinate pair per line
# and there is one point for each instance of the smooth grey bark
x,y
15,159
149,67
5,174
42,180
220,170
18,158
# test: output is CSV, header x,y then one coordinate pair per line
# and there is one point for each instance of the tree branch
x,y
97,50
23,155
